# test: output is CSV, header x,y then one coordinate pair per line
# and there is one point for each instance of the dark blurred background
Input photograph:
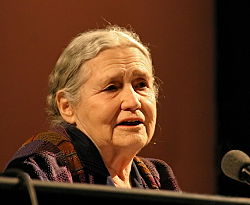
x,y
200,52
232,87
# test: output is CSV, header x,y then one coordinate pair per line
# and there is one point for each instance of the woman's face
x,y
117,103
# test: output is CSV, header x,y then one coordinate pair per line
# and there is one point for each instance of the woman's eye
x,y
111,88
142,85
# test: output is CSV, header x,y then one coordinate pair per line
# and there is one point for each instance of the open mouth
x,y
130,123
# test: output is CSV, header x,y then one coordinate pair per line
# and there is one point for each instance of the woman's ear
x,y
65,107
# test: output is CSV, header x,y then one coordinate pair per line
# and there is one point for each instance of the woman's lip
x,y
130,127
130,120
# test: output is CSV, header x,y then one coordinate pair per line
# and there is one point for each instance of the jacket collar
x,y
86,150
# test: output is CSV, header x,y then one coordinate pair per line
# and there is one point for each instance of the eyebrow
x,y
109,78
140,73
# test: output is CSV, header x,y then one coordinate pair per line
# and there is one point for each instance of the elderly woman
x,y
102,108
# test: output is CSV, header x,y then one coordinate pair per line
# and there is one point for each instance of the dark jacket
x,y
65,154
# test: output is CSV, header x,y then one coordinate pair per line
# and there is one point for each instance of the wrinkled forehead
x,y
119,61
119,52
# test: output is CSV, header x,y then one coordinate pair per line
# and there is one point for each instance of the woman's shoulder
x,y
41,153
42,142
155,163
163,170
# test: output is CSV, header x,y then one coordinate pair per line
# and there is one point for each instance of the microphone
x,y
236,165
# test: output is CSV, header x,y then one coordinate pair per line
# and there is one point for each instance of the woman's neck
x,y
121,177
119,167
122,183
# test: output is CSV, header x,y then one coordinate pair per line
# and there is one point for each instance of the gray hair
x,y
85,46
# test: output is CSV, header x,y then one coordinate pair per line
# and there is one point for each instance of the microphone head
x,y
233,162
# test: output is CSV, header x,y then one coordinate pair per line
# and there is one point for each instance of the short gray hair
x,y
85,46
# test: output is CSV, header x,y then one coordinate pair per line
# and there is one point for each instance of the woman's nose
x,y
130,99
